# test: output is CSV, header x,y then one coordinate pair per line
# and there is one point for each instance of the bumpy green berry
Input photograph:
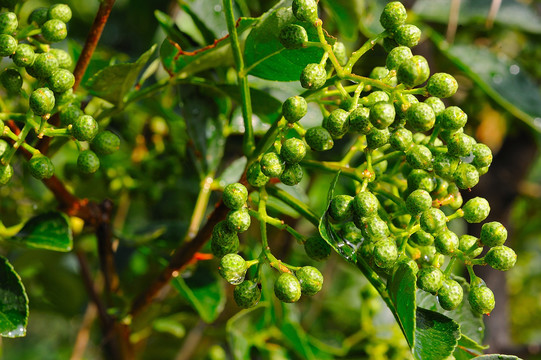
x,y
365,204
422,238
501,258
450,294
8,45
41,167
445,165
247,294
3,143
337,123
382,114
385,253
61,12
292,174
418,201
223,241
272,165
64,59
460,144
421,117
44,65
287,288
389,43
466,176
232,268
39,16
420,179
12,80
442,85
239,220
54,30
375,97
88,162
482,156
397,56
293,150
305,10
436,104
469,245
339,50
413,71
341,207
402,104
453,118
6,172
379,73
255,176
61,80
359,120
85,128
235,196
317,248
319,139
24,55
294,108
374,228
8,22
310,279
377,138
481,299
493,234
476,210
313,76
393,15
430,279
42,101
293,36
401,139
407,35
446,242
419,157
433,221
69,114
104,143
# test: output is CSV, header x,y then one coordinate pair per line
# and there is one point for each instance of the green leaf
x,y
170,325
436,335
267,57
497,357
13,302
296,337
242,329
115,81
267,107
49,231
171,29
467,348
209,17
401,289
204,291
346,15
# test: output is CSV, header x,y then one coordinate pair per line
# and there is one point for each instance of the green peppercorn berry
x,y
407,35
54,30
294,108
389,43
319,139
359,120
401,139
481,299
247,294
476,210
482,156
460,145
341,207
39,16
85,128
430,279
382,114
293,151
501,258
446,242
420,179
402,104
379,73
419,157
3,143
397,56
235,196
466,176
375,97
445,165
305,10
6,172
393,15
413,71
421,117
293,36
12,80
255,176
69,114
337,123
232,268
105,142
88,162
44,65
418,201
374,228
310,279
441,188
239,220
64,59
433,221
313,76
42,101
272,165
24,55
365,253
436,104
385,253
450,295
287,288
442,85
469,245
377,138
365,204
493,234
317,248
292,174
8,45
61,12
422,238
339,50
61,80
483,170
8,23
41,167
223,241
453,118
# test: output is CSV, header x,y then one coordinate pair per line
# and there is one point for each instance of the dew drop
x,y
514,69
497,79
217,8
537,122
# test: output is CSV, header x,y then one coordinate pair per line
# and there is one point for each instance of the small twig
x,y
81,341
493,12
453,20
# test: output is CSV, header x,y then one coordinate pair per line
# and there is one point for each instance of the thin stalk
x,y
356,55
297,205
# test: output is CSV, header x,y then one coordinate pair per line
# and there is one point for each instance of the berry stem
x,y
356,55
279,224
333,167
297,205
449,267
8,155
200,208
357,146
457,214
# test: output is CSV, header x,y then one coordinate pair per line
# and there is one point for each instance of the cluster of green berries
x,y
47,71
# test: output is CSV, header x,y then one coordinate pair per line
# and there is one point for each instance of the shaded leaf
x,y
169,325
497,357
13,302
402,288
436,335
467,348
296,337
171,29
241,329
49,231
267,107
346,15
